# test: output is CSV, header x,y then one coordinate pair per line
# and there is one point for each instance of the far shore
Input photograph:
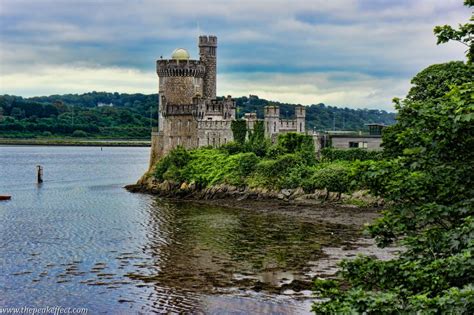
x,y
77,142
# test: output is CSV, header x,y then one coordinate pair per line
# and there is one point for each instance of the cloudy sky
x,y
354,53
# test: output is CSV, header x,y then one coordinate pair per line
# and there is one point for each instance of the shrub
x,y
171,166
331,154
233,147
335,177
79,134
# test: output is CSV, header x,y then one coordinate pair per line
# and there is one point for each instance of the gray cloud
x,y
352,53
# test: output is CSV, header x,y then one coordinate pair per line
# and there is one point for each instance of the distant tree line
x,y
118,115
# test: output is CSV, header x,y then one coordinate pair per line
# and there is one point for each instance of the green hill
x,y
116,115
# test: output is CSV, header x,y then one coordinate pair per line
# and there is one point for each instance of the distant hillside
x,y
115,115
322,117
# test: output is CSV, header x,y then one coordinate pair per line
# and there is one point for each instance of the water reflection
x,y
81,240
211,249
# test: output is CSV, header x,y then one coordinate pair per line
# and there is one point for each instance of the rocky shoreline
x,y
357,208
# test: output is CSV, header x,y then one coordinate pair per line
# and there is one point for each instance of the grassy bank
x,y
258,167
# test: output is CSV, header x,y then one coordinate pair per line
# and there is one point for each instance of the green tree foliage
x,y
171,166
239,130
257,142
33,116
436,80
335,177
320,116
429,184
430,84
464,34
79,134
129,115
296,143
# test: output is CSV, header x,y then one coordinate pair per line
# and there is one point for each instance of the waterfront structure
x,y
189,113
351,139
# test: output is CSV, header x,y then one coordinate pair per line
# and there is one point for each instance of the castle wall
x,y
180,90
214,133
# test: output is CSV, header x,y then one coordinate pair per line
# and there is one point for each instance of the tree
x,y
431,83
463,35
429,182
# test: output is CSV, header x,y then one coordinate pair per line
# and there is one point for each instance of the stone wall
x,y
180,90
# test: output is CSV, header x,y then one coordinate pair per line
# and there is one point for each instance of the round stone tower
x,y
180,86
207,55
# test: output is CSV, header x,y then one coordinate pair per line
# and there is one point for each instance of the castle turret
x,y
208,58
300,114
272,121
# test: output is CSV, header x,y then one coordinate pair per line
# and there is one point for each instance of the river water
x,y
80,240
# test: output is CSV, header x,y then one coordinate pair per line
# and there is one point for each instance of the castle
x,y
275,125
189,113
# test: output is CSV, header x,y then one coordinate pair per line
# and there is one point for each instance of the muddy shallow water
x,y
81,240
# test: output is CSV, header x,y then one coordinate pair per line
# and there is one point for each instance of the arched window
x,y
274,126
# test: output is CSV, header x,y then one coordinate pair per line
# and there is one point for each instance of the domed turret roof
x,y
180,54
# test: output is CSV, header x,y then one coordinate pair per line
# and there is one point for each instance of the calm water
x,y
81,240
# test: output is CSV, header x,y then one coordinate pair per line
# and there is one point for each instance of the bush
x,y
331,154
79,134
335,177
233,147
170,167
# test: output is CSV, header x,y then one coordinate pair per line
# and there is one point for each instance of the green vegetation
x,y
428,178
425,174
290,163
130,116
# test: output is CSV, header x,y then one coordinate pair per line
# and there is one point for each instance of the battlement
x,y
178,110
272,111
300,111
180,68
210,40
250,116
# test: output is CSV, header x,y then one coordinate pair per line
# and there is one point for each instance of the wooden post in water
x,y
40,173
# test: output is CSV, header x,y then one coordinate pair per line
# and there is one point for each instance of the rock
x,y
286,192
281,196
184,186
297,193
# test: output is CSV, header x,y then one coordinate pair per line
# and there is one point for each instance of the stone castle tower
x,y
189,114
275,125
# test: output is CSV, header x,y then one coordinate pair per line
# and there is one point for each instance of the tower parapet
x,y
176,68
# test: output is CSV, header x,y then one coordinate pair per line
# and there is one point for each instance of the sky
x,y
347,53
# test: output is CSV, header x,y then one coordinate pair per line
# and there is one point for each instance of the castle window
x,y
301,127
274,126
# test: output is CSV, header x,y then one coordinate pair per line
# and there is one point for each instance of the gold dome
x,y
180,54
